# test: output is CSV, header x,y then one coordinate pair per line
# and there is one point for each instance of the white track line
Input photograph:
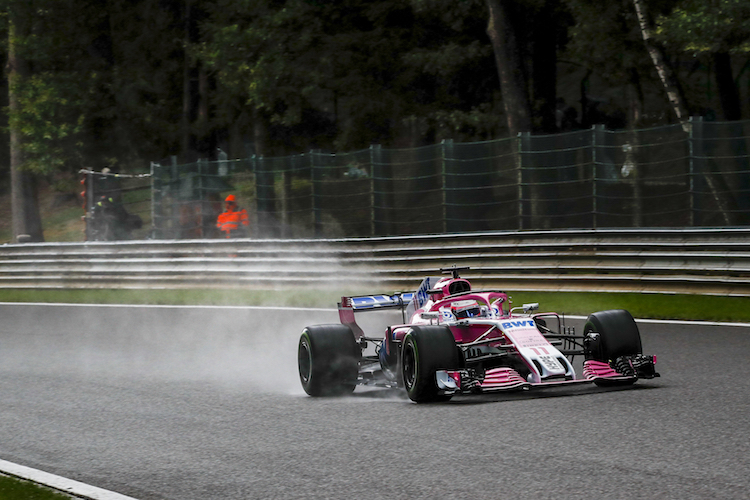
x,y
167,306
59,483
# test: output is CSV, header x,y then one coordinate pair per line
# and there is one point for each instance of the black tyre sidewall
x,y
333,356
618,334
433,348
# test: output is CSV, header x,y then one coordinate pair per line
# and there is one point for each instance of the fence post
x,y
202,163
695,130
89,202
595,131
375,175
265,178
286,193
173,171
315,189
447,153
155,199
172,231
254,172
523,190
519,181
378,187
630,166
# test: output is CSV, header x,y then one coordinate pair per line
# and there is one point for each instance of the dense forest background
x,y
91,83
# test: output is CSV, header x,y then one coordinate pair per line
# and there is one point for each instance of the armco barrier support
x,y
700,261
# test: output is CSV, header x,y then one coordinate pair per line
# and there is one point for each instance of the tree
x,y
513,80
719,29
260,55
305,66
550,25
132,55
454,79
663,68
26,221
521,44
607,43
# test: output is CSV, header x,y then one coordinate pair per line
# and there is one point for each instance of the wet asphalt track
x,y
164,403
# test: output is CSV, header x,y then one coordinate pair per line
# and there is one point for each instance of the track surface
x,y
165,403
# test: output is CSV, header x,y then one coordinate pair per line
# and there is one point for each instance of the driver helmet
x,y
466,309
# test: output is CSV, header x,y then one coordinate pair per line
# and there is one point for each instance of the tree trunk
x,y
730,97
635,98
186,90
545,66
26,222
512,79
666,75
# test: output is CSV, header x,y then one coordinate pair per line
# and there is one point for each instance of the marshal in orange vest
x,y
233,221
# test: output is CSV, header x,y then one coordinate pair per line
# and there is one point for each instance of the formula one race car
x,y
460,341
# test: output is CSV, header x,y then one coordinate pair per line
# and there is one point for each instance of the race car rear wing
x,y
370,302
408,302
349,305
412,300
421,295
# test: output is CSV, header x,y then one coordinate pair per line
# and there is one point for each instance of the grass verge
x,y
18,489
656,306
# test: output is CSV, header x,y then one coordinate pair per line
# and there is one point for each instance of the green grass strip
x,y
653,306
657,306
17,489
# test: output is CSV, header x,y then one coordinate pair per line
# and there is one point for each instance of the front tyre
x,y
611,335
328,360
618,335
424,351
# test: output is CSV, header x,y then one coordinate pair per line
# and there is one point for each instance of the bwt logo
x,y
422,292
517,324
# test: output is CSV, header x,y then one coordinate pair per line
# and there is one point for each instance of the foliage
x,y
454,64
293,60
49,120
698,26
125,82
606,38
102,84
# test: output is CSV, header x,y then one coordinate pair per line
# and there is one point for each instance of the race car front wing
x,y
625,370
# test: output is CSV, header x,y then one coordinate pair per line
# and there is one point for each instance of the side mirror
x,y
527,308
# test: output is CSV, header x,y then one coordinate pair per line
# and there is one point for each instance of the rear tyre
x,y
426,349
328,360
618,336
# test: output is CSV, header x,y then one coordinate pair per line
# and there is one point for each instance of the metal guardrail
x,y
702,261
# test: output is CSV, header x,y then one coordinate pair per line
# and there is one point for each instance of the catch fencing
x,y
694,175
698,261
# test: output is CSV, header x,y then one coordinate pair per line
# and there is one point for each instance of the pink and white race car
x,y
454,340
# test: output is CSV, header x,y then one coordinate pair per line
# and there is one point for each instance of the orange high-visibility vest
x,y
231,220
